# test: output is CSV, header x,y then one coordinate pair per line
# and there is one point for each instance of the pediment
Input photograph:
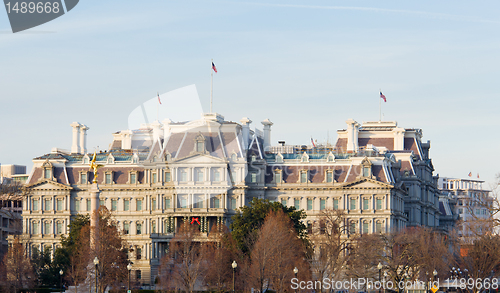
x,y
366,183
45,184
200,159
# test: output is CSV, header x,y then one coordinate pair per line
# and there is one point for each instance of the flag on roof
x,y
383,97
213,67
470,174
477,175
159,101
314,145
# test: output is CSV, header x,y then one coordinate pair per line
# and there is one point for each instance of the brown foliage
x,y
275,254
221,251
17,266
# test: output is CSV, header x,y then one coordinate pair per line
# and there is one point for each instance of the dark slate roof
x,y
378,142
410,143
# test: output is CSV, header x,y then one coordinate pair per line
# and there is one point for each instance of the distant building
x,y
10,203
469,201
162,175
13,173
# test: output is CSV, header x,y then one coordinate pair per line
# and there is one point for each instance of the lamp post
x,y
434,274
295,271
96,263
379,267
61,273
385,277
234,265
129,268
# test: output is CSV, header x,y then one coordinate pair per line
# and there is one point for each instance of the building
x,y
159,176
10,173
469,201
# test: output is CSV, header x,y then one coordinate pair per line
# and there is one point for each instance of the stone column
x,y
94,219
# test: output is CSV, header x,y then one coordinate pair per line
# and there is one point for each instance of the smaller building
x,y
469,201
10,173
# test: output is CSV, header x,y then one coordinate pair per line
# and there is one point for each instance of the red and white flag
x,y
213,67
159,101
312,141
470,174
383,97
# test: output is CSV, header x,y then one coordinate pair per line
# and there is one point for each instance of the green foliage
x,y
251,218
68,242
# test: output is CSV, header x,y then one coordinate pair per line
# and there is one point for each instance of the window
x,y
352,227
234,176
83,178
329,177
254,177
233,157
126,228
283,202
460,211
366,204
309,204
59,204
216,203
183,202
322,227
378,227
198,202
200,146
108,178
35,205
478,211
59,228
101,202
35,228
139,254
279,158
139,228
296,203
113,205
335,203
167,203
88,205
217,176
167,176
47,173
48,203
199,176
138,274
153,178
138,206
378,204
153,204
46,228
277,176
126,204
233,203
133,178
183,177
303,177
153,227
353,204
365,227
366,171
309,228
322,204
77,205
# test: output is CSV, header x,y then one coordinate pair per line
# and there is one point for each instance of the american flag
x,y
312,141
383,97
213,67
159,101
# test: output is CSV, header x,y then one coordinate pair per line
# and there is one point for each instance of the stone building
x,y
159,176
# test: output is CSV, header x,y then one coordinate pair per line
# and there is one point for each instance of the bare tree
x,y
275,254
185,265
220,253
18,268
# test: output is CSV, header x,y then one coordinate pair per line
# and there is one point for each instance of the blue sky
x,y
306,65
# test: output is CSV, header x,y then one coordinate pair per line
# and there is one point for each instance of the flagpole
x,y
158,106
211,85
380,107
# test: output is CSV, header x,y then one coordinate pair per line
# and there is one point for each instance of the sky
x,y
308,66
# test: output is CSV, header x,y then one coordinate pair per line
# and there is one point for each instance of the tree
x,y
247,223
18,268
330,245
185,264
275,254
221,251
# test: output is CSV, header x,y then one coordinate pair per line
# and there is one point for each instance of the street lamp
x,y
379,267
129,268
434,273
61,273
234,265
295,271
385,277
96,263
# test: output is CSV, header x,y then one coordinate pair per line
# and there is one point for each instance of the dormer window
x,y
253,158
108,177
233,157
304,176
329,176
86,160
132,179
279,158
199,144
110,159
83,177
305,157
330,158
277,176
135,159
168,157
366,167
47,170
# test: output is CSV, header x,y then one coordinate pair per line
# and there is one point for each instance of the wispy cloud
x,y
425,14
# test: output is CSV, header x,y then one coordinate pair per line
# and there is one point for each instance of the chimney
x,y
399,138
352,135
245,131
166,128
75,145
267,134
156,130
127,139
83,139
